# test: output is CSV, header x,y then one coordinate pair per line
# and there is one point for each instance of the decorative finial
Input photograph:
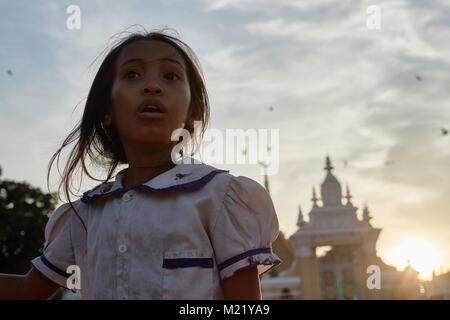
x,y
300,221
366,213
348,196
328,166
408,262
314,198
266,183
266,178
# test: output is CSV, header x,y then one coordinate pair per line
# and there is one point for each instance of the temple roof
x,y
331,191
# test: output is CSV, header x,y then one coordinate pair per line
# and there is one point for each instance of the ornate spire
x,y
266,178
366,213
266,183
348,196
314,198
331,193
300,221
408,266
328,165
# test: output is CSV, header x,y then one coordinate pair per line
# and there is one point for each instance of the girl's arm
x,y
33,286
243,285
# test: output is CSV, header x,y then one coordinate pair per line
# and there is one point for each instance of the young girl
x,y
161,230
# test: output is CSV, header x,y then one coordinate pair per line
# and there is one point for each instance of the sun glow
x,y
421,254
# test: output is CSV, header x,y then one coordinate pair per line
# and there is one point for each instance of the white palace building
x,y
329,254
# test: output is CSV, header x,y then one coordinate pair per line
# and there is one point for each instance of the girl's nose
x,y
152,88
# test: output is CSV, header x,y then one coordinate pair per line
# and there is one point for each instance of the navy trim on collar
x,y
87,198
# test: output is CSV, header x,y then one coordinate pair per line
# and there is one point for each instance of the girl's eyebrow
x,y
142,60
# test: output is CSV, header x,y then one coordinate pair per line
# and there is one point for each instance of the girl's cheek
x,y
114,92
119,92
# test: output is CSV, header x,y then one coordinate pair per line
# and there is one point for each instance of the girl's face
x,y
149,73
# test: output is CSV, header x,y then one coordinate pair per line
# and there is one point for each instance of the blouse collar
x,y
189,174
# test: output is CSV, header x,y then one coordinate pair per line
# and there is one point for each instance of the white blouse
x,y
174,237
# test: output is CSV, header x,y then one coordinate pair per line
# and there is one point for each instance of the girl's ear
x,y
107,120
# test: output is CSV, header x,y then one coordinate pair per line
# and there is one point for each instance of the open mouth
x,y
151,109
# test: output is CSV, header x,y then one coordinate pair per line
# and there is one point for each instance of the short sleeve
x,y
58,252
245,228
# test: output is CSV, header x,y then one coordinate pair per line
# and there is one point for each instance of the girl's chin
x,y
153,138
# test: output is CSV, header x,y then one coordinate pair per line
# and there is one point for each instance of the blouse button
x,y
126,197
122,248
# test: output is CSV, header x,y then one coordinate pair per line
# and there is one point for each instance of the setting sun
x,y
421,254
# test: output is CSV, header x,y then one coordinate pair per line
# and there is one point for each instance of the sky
x,y
374,100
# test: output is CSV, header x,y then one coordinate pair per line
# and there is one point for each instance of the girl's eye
x,y
131,74
172,76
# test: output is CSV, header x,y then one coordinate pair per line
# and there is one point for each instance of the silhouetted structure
x,y
342,271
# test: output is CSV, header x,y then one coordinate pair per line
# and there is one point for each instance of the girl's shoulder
x,y
62,216
239,194
218,182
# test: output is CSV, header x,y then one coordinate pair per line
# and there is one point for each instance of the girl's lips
x,y
154,103
150,115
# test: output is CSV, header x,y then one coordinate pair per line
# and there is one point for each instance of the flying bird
x,y
444,131
9,72
388,163
270,108
419,78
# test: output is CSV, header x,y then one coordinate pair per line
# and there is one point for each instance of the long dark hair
x,y
101,144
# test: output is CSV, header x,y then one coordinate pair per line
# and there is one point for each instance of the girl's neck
x,y
145,167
